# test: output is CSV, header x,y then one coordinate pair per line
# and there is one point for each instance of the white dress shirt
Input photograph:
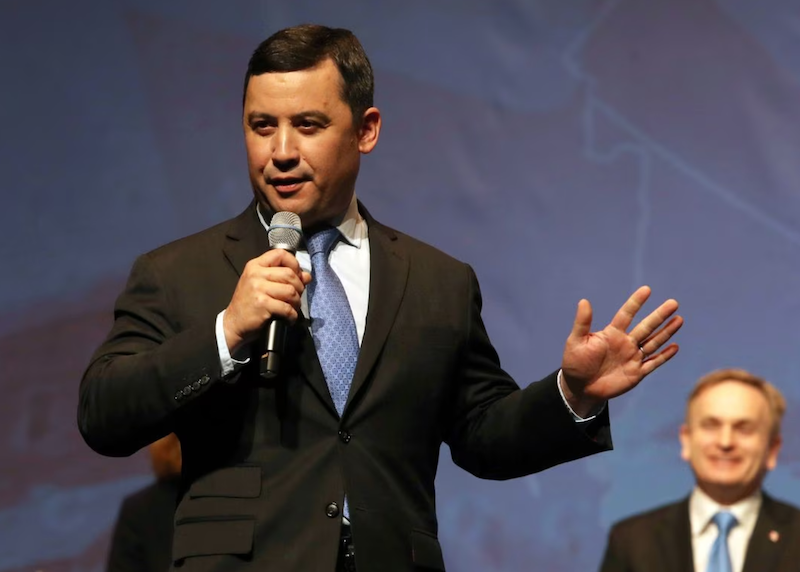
x,y
704,532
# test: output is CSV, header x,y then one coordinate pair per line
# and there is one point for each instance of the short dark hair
x,y
303,47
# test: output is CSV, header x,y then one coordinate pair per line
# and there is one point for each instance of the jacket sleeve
x,y
499,431
147,370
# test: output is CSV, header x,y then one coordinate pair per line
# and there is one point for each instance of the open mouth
x,y
287,184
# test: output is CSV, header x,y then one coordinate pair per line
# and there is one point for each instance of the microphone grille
x,y
285,231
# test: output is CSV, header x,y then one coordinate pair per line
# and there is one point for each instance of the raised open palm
x,y
598,366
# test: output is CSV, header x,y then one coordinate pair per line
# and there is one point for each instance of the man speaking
x,y
330,462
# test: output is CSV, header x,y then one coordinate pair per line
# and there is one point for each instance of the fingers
x,y
583,320
278,257
657,360
651,345
624,317
270,287
644,329
642,333
278,265
281,258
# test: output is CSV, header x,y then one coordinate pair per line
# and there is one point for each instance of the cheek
x,y
257,154
322,156
333,157
703,453
703,444
756,453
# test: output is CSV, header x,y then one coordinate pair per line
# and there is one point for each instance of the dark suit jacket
x,y
142,539
267,463
661,541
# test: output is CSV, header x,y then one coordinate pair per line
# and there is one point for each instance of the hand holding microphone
x,y
268,293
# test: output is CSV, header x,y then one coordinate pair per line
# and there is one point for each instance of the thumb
x,y
583,320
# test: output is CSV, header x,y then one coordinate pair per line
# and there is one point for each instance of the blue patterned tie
x,y
332,324
720,559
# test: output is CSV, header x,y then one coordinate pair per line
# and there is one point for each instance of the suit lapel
x,y
245,240
388,275
308,363
675,539
769,539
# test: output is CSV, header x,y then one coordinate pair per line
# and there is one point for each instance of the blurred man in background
x,y
142,539
731,439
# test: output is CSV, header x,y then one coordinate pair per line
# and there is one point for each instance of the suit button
x,y
204,380
332,510
178,396
344,436
187,390
196,385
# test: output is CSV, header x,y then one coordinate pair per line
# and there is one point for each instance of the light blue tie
x,y
332,324
720,559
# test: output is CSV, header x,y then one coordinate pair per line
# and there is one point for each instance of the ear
x,y
686,448
369,130
772,453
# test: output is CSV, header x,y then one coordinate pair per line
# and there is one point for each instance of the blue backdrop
x,y
564,149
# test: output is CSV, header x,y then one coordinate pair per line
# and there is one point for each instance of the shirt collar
x,y
702,509
352,225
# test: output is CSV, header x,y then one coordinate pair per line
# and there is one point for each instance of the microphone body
x,y
274,346
285,232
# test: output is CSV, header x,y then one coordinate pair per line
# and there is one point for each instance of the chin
x,y
287,204
734,483
720,477
727,475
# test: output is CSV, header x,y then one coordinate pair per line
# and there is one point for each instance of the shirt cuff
x,y
230,365
575,417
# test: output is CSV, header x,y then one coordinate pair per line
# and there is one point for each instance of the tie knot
x,y
321,242
725,521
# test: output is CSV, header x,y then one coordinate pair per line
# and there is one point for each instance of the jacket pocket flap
x,y
232,482
425,550
207,537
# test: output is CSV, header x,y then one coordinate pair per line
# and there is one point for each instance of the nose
x,y
284,149
726,437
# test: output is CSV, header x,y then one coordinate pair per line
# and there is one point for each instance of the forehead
x,y
730,400
316,88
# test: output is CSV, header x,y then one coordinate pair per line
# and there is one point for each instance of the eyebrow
x,y
735,421
314,114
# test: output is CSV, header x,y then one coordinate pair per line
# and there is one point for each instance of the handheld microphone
x,y
284,232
